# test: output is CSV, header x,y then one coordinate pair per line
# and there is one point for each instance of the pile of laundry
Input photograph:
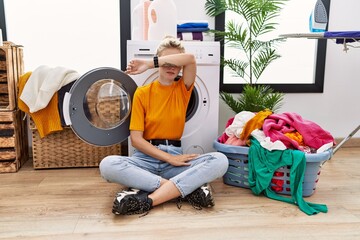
x,y
41,94
194,31
275,141
277,132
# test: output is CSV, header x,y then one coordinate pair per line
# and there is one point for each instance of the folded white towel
x,y
43,83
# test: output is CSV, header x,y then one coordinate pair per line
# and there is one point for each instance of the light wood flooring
x,y
76,204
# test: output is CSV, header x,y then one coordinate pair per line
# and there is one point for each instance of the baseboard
x,y
352,142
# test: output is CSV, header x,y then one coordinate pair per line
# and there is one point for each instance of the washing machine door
x,y
98,106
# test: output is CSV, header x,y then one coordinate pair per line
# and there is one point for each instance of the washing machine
x,y
98,105
202,117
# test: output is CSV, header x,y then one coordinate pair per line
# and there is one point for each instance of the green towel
x,y
263,164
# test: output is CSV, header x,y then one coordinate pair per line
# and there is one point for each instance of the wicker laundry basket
x,y
238,171
64,150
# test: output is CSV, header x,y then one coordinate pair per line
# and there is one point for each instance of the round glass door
x,y
107,104
100,106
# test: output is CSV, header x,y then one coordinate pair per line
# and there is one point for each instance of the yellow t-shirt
x,y
160,111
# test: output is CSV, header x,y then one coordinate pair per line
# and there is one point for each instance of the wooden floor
x,y
76,204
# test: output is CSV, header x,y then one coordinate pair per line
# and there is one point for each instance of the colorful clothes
x,y
263,164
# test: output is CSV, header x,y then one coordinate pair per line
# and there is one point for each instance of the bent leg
x,y
203,169
166,192
129,172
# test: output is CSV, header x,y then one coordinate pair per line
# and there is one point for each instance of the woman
x,y
158,167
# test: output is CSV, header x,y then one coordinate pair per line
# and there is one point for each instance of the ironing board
x,y
348,39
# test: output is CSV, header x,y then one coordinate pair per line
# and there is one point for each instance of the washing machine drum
x,y
98,106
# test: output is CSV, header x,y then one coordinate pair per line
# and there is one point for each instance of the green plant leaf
x,y
255,18
238,66
254,98
262,60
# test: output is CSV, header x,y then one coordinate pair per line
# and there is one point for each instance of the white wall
x,y
81,34
84,34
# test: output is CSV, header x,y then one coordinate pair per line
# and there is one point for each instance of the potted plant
x,y
255,18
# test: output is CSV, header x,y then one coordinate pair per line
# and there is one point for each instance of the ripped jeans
x,y
143,172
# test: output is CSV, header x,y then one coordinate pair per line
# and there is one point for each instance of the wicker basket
x,y
238,171
64,150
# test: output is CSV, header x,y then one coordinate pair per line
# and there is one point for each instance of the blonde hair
x,y
169,42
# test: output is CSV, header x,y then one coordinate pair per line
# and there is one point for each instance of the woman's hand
x,y
137,66
138,142
181,160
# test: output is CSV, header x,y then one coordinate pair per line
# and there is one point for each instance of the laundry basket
x,y
238,171
64,149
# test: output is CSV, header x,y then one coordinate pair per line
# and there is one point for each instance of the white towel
x,y
265,142
238,124
43,83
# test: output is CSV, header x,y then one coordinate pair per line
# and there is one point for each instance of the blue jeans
x,y
144,172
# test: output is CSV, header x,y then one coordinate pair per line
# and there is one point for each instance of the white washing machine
x,y
98,105
202,118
